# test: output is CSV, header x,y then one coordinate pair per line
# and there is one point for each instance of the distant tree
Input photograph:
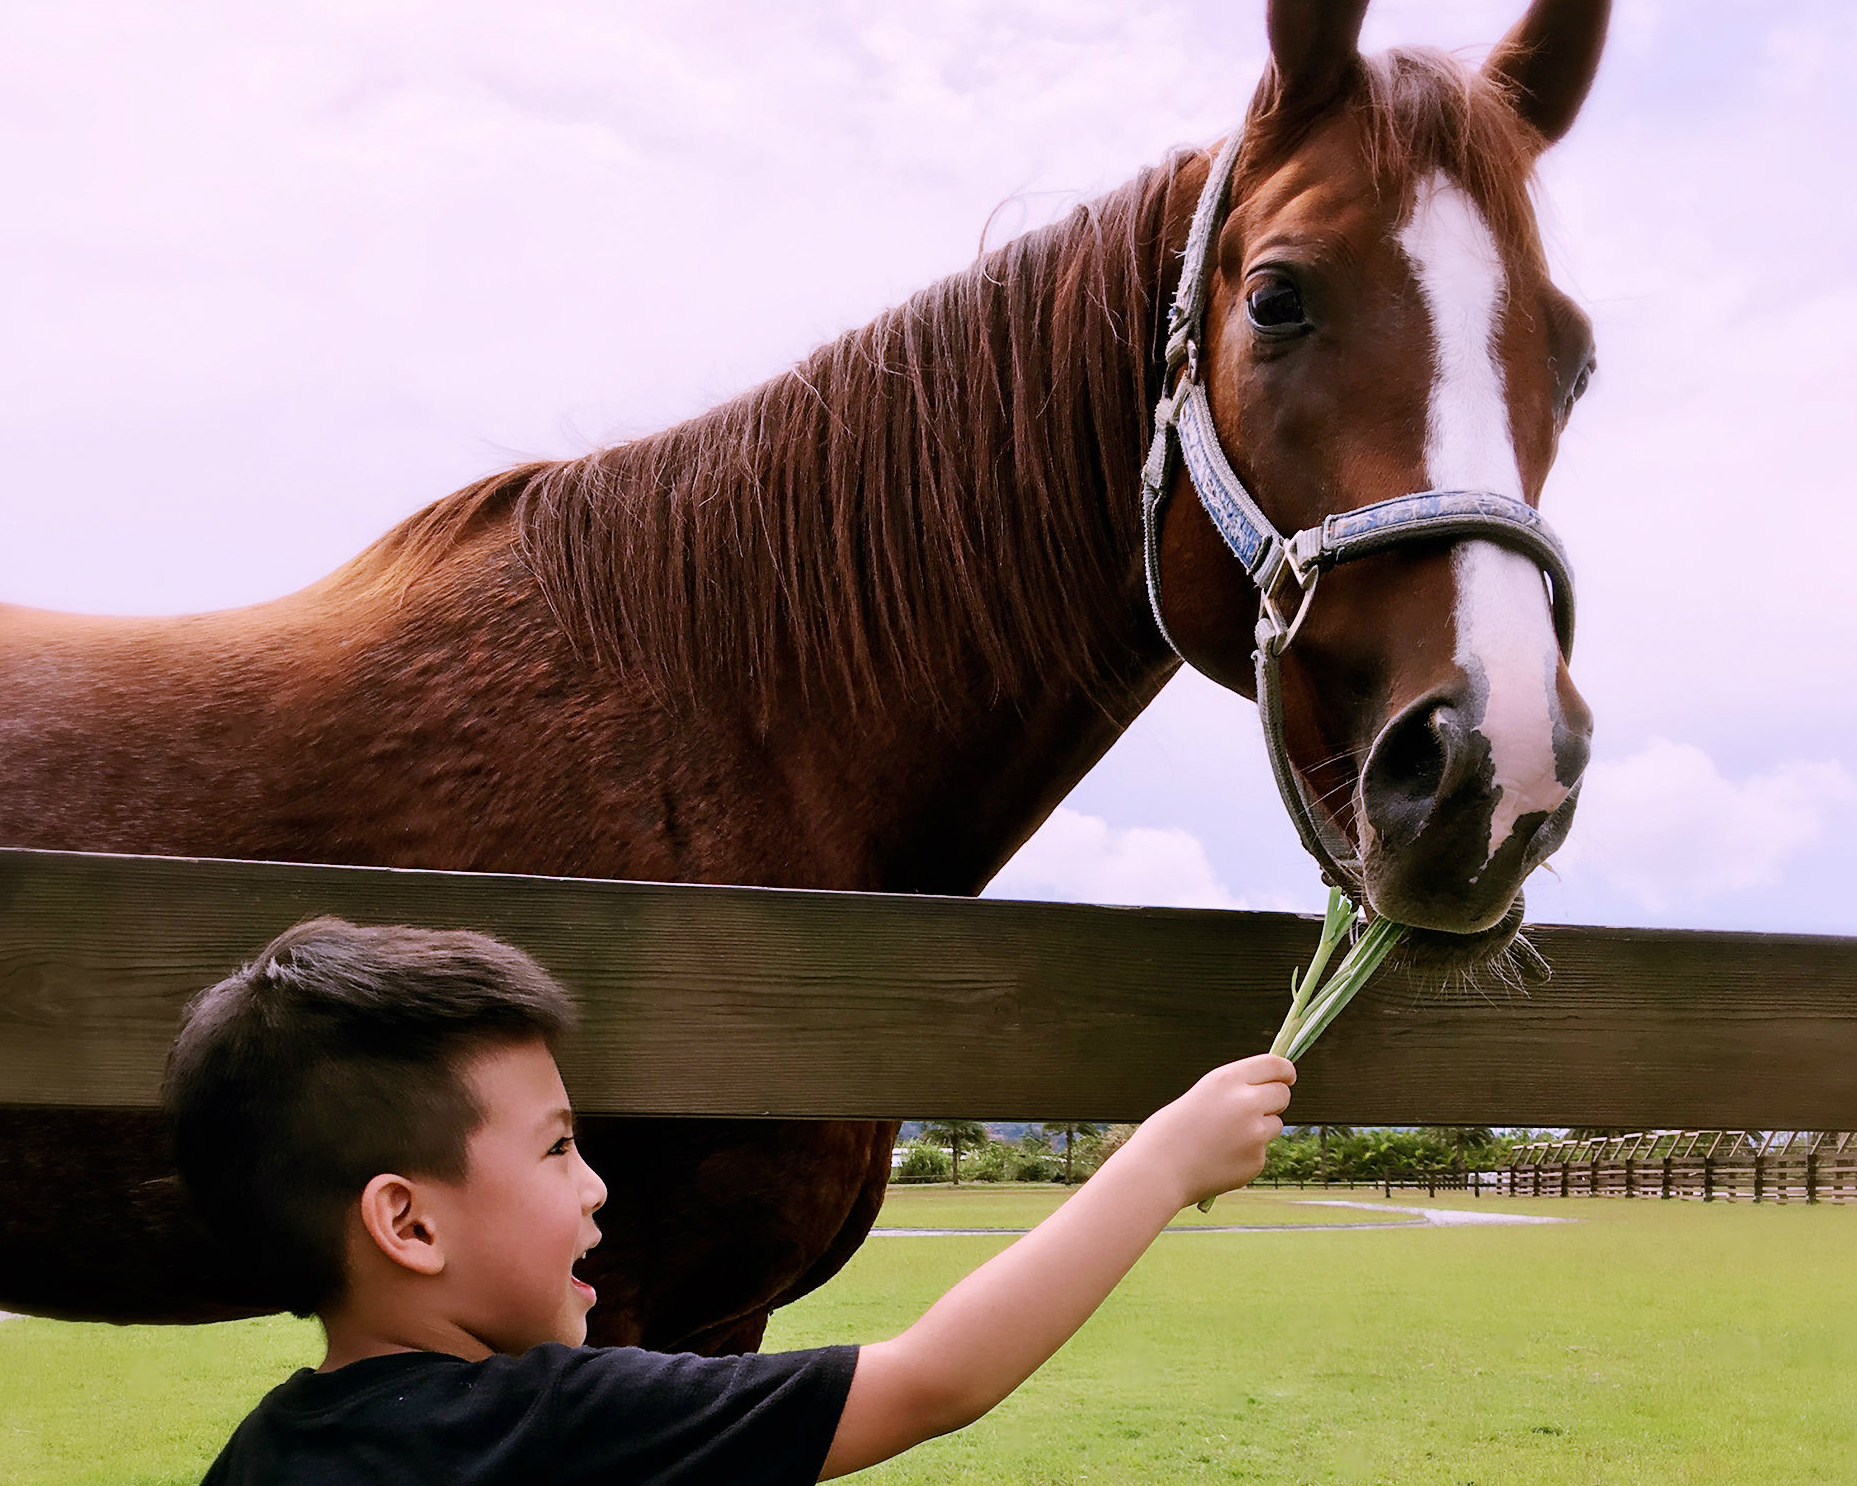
x,y
921,1162
1293,1156
1322,1132
1465,1138
1375,1153
1073,1131
1032,1159
957,1136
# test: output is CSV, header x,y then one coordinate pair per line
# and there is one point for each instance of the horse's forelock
x,y
1422,111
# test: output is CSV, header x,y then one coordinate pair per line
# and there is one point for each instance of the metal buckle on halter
x,y
1284,561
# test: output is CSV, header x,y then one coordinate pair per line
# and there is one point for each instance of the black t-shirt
x,y
556,1414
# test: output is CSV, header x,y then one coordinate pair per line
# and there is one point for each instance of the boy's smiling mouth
x,y
581,1287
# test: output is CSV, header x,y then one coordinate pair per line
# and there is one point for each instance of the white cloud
x,y
1666,826
1078,858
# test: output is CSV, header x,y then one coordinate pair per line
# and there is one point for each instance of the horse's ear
x,y
1312,44
1549,59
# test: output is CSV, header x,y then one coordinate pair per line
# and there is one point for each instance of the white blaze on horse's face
x,y
1505,634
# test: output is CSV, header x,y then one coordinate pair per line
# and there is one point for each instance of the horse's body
x,y
424,707
862,628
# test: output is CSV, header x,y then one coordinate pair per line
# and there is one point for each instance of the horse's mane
x,y
949,494
946,498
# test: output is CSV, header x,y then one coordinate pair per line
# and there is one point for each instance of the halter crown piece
x,y
1286,569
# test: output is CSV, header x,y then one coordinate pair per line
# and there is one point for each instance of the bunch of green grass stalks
x,y
1311,1010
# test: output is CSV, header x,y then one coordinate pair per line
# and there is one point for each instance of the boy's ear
x,y
400,1221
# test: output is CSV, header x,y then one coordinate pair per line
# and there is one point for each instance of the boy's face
x,y
523,1214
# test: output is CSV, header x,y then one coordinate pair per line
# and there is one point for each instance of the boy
x,y
371,1118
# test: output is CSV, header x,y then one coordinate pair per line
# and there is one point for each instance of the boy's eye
x,y
562,1146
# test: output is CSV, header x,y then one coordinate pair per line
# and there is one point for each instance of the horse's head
x,y
1379,321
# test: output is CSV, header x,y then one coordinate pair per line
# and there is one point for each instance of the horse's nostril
x,y
1545,838
1407,771
1573,745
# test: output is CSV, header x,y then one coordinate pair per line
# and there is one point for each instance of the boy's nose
x,y
593,1190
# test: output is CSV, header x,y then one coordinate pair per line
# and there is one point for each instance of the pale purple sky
x,y
275,277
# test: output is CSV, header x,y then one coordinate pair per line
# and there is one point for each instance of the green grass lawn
x,y
1650,1342
1021,1204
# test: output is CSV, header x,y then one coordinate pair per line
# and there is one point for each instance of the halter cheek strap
x,y
1286,569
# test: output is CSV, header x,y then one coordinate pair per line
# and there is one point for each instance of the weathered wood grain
x,y
754,1001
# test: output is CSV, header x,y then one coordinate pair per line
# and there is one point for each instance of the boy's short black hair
x,y
335,1055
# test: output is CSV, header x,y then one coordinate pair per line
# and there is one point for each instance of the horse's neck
x,y
712,573
936,800
931,783
992,788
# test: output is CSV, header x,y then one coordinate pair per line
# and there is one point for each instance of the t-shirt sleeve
x,y
624,1414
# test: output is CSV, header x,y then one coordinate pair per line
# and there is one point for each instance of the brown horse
x,y
864,626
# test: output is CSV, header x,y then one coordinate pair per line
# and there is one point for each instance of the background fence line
x,y
1809,1166
1692,1165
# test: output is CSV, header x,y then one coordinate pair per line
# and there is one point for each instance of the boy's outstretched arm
x,y
993,1330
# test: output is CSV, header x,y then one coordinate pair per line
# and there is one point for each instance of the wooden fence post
x,y
1708,1178
1666,1191
1759,1175
1630,1177
1565,1169
1811,1176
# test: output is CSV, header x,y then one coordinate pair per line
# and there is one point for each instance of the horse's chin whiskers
x,y
1345,755
1335,792
1504,975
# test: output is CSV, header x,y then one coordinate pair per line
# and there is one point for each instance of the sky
x,y
275,277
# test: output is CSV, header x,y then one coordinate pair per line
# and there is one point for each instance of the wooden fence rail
x,y
749,1001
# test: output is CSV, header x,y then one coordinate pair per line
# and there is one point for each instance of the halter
x,y
1286,569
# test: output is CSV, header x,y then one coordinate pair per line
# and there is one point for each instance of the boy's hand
x,y
1212,1138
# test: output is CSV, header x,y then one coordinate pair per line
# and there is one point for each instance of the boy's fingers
x,y
1267,1068
1274,1098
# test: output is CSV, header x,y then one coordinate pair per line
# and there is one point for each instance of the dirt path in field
x,y
1415,1217
1171,1228
1436,1217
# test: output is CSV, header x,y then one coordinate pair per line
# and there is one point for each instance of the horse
x,y
864,626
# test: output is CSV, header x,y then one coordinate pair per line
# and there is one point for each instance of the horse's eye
x,y
1578,389
1274,306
